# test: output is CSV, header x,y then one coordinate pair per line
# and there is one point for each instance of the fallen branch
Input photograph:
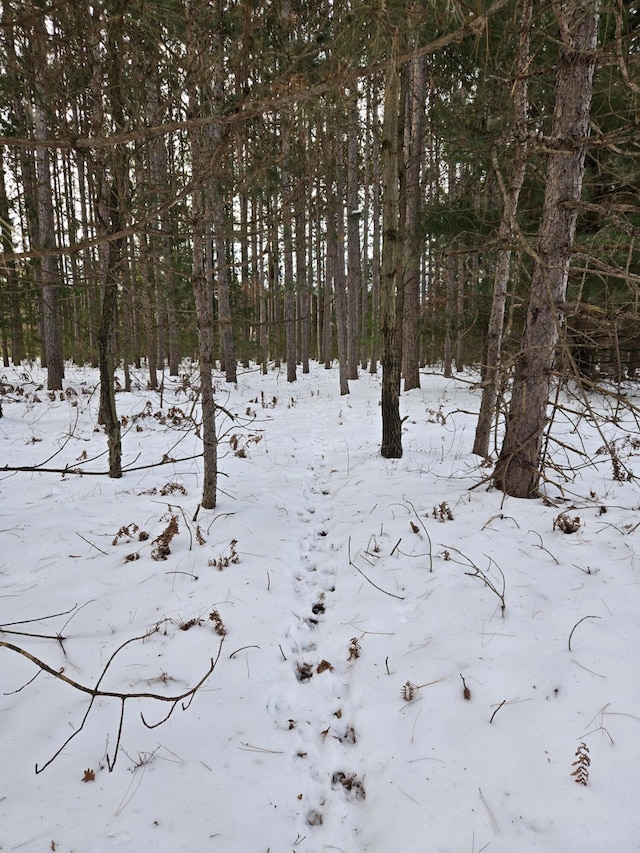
x,y
96,692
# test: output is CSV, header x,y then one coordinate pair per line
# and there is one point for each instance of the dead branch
x,y
96,692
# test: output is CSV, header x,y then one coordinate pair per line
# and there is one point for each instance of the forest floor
x,y
410,661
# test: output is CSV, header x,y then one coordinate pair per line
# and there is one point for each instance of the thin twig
x,y
379,588
496,710
422,524
576,625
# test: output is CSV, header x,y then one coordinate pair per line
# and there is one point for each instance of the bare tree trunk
x,y
375,249
511,196
391,424
450,295
287,247
354,262
223,286
460,281
335,273
201,288
412,244
9,272
49,270
304,260
518,469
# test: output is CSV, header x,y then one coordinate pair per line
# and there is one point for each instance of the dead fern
x,y
162,543
582,763
223,561
442,512
218,624
172,489
128,531
354,648
566,524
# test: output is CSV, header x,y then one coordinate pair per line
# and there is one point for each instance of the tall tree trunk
x,y
304,261
412,243
335,273
372,108
354,262
218,219
510,198
287,247
202,290
518,469
8,269
49,268
391,424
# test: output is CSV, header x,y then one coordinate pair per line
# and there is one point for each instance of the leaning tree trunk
x,y
510,198
518,469
391,447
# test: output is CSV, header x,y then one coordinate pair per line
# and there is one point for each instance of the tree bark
x,y
202,290
510,199
8,270
354,262
412,243
49,270
518,469
391,447
287,248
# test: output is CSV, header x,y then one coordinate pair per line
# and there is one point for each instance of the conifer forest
x,y
392,184
295,294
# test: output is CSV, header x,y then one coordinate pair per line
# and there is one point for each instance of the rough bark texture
x,y
510,198
354,263
518,469
8,270
287,247
109,414
202,291
390,357
412,246
51,324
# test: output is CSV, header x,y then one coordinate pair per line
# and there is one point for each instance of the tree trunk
x,y
51,323
518,469
287,247
412,244
510,198
354,263
335,273
375,249
12,317
202,290
391,424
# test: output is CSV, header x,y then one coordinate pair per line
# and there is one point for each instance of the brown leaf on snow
x,y
323,665
89,775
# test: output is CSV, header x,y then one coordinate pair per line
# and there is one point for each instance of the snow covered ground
x,y
371,692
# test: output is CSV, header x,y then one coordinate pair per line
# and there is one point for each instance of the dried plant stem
x,y
422,524
504,702
379,588
576,625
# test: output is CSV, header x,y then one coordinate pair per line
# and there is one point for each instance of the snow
x,y
359,582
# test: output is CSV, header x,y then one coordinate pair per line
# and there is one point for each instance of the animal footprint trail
x,y
325,748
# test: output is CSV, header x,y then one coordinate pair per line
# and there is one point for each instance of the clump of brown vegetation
x,y
162,543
